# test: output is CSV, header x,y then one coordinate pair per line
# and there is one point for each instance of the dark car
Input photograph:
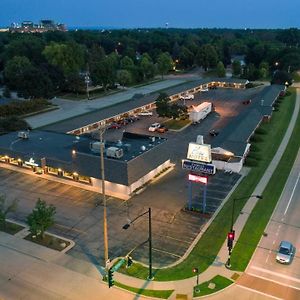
x,y
214,132
162,129
114,126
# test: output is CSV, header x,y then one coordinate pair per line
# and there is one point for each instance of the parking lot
x,y
79,218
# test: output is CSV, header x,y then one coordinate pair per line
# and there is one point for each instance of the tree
x,y
221,72
236,68
264,69
147,66
124,77
162,105
6,208
164,63
15,69
186,57
126,63
68,57
41,218
177,111
207,57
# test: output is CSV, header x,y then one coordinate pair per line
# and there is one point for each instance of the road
x,y
284,225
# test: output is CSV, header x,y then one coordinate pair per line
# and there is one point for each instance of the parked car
x,y
114,126
246,102
153,127
213,87
123,122
204,90
214,132
145,113
162,129
285,252
187,97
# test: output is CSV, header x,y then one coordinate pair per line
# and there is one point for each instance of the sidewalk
x,y
218,268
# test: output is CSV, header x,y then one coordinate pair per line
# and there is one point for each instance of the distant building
x,y
43,26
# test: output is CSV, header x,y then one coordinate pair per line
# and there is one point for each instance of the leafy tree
x,y
12,123
41,218
264,69
124,77
6,208
236,68
147,66
221,72
164,63
291,36
6,92
186,57
177,111
126,63
162,105
68,57
75,83
206,57
15,69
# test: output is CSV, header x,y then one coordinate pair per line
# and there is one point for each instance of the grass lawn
x,y
263,210
219,281
49,241
176,124
163,294
206,250
11,228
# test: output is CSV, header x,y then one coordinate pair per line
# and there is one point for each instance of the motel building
x,y
129,163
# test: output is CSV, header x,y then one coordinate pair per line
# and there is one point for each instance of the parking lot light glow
x,y
73,152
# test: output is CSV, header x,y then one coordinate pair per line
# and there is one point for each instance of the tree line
x,y
42,65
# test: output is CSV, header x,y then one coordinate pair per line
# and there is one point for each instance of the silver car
x,y
285,252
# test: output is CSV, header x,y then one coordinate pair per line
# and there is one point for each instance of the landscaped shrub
x,y
251,162
260,131
256,138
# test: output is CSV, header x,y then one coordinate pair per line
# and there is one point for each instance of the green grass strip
x,y
163,294
206,250
263,210
219,281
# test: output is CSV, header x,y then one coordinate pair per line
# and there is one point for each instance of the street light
x,y
126,226
231,234
105,238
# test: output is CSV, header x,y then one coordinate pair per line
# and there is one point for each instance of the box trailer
x,y
199,112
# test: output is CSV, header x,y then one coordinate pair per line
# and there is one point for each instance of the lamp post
x,y
231,234
87,81
126,226
105,237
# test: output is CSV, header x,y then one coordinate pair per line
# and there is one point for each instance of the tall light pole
x,y
126,226
105,236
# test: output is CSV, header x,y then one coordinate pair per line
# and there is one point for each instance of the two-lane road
x,y
284,225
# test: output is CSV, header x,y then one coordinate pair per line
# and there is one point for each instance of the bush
x,y
288,93
249,85
251,162
256,138
12,124
6,93
260,131
17,108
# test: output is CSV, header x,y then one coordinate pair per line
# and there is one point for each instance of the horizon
x,y
131,14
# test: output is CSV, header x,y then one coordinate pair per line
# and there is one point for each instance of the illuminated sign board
x,y
198,167
198,178
199,152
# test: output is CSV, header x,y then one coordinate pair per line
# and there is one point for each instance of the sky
x,y
155,13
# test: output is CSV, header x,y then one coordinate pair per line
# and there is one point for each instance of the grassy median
x,y
206,250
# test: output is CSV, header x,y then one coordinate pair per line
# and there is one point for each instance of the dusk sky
x,y
156,13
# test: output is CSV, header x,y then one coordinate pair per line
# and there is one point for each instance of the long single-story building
x,y
129,163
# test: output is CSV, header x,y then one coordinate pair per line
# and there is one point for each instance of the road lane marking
x,y
276,274
292,194
258,292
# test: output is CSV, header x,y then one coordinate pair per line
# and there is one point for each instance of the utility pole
x,y
105,237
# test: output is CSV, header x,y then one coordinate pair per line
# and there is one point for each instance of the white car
x,y
187,97
145,113
153,127
204,90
